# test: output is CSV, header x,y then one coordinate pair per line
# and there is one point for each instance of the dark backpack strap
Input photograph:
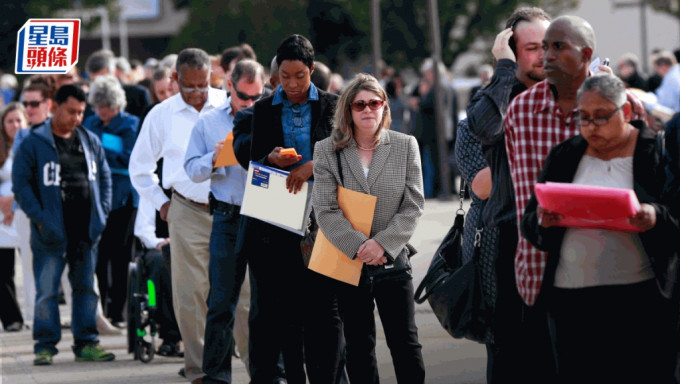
x,y
342,179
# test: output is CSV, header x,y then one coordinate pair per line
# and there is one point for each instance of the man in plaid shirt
x,y
540,118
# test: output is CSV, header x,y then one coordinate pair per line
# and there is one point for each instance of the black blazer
x,y
648,184
258,129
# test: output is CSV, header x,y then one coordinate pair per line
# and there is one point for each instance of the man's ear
x,y
175,76
627,111
311,68
587,53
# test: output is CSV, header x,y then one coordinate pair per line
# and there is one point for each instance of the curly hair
x,y
106,90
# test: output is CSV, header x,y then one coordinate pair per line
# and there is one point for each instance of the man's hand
x,y
282,161
501,47
6,205
218,149
164,211
298,176
7,220
162,243
372,253
547,219
645,219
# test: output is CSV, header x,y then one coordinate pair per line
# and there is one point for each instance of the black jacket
x,y
648,184
258,129
485,114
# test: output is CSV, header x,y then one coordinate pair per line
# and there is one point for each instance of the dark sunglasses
x,y
32,104
245,97
360,105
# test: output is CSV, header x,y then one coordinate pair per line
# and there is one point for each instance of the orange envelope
x,y
328,260
227,156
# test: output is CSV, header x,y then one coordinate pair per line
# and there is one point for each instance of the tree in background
x,y
340,29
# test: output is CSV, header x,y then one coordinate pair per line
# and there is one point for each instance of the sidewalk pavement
x,y
447,360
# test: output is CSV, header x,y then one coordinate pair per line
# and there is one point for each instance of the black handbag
x,y
453,289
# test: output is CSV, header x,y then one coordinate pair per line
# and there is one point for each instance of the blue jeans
x,y
227,272
48,266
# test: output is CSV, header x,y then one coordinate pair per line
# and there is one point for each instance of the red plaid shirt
x,y
533,125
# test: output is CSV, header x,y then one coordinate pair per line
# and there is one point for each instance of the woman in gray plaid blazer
x,y
362,155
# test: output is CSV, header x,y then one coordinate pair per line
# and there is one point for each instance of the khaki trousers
x,y
189,228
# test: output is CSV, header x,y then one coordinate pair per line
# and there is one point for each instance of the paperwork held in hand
x,y
587,206
266,198
226,157
358,208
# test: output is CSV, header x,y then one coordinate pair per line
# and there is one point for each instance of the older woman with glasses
x,y
363,155
609,321
117,130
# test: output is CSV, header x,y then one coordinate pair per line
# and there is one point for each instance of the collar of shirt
x,y
226,106
213,101
280,95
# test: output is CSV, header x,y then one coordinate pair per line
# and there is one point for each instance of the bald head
x,y
568,48
578,29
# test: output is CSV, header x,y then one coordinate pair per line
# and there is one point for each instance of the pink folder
x,y
586,206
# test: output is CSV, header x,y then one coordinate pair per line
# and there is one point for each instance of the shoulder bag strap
x,y
342,179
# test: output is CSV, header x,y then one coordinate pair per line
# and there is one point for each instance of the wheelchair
x,y
142,327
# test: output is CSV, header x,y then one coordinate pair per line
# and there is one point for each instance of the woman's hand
x,y
645,218
372,253
298,176
282,161
547,219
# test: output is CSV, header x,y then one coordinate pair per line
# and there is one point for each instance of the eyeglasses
x,y
32,103
360,105
245,97
598,121
194,90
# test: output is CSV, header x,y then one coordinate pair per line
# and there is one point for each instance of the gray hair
x,y
123,65
102,59
606,85
106,90
168,61
193,58
248,69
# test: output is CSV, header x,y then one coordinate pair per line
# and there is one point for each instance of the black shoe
x,y
169,349
181,372
14,327
119,324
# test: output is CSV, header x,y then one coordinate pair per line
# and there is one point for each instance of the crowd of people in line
x,y
98,171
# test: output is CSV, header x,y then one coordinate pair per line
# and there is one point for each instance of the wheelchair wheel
x,y
133,307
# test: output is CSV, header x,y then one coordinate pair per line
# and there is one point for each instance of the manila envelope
x,y
226,156
328,260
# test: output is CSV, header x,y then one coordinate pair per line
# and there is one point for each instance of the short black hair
x,y
295,48
192,58
321,77
69,90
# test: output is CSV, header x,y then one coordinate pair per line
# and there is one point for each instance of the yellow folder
x,y
328,260
226,157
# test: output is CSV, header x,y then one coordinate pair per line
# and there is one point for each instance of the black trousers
x,y
9,307
157,264
293,313
115,253
521,351
613,334
394,299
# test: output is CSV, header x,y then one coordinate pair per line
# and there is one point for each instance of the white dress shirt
x,y
165,134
